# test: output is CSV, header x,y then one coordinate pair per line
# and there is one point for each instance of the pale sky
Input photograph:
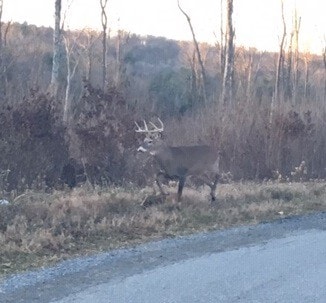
x,y
257,22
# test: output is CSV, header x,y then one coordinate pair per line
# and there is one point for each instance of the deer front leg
x,y
213,187
159,177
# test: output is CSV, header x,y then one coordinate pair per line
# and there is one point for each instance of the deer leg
x,y
213,187
180,187
211,184
159,177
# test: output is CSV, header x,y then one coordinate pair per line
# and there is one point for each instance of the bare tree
x,y
2,88
121,38
88,47
188,58
280,59
3,60
287,83
56,62
296,29
200,61
324,60
4,36
104,20
291,73
249,75
72,57
306,78
1,8
228,76
222,44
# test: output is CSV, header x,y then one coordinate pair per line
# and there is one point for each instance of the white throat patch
x,y
142,149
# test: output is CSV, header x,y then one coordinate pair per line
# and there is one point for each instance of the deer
x,y
179,162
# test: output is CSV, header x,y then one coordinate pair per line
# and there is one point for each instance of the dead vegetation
x,y
40,228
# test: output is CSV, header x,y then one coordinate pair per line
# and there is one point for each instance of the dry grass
x,y
39,229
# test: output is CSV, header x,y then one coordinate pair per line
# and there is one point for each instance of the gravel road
x,y
281,261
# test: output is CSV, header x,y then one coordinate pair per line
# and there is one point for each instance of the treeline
x,y
259,135
153,72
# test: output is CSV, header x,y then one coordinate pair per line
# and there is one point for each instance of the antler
x,y
155,129
140,130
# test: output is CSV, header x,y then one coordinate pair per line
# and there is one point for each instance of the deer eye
x,y
148,140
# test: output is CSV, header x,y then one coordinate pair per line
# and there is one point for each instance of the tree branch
x,y
203,72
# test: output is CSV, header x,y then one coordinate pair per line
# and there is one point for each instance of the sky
x,y
257,23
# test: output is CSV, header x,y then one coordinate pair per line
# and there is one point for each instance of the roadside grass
x,y
38,229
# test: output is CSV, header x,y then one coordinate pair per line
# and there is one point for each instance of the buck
x,y
177,163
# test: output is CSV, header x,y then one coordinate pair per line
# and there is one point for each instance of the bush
x,y
32,143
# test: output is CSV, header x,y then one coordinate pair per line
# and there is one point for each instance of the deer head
x,y
153,141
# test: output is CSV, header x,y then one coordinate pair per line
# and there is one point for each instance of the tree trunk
x,y
306,78
287,82
70,74
280,61
56,62
228,77
117,78
297,22
2,82
104,21
324,60
1,7
222,50
249,77
89,51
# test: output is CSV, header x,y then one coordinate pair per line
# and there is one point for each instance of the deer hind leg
x,y
208,181
180,187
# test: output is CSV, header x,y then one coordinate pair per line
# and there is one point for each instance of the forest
x,y
270,126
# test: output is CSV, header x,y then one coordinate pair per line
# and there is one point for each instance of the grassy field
x,y
39,229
